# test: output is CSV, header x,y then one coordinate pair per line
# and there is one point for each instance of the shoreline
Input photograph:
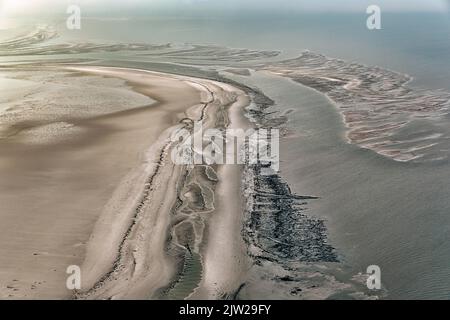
x,y
139,288
141,244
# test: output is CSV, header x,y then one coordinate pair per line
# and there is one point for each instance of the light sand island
x,y
86,179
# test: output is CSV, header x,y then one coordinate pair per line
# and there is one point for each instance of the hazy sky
x,y
18,7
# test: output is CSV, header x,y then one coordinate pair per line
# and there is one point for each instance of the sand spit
x,y
35,43
162,213
378,107
109,198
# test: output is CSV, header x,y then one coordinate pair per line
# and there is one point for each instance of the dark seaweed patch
x,y
278,227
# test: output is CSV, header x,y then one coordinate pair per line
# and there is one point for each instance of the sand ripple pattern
x,y
35,43
381,112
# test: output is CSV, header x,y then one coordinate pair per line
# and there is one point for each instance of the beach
x,y
98,189
87,178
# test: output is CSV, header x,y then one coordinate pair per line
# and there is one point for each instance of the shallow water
x,y
189,278
378,211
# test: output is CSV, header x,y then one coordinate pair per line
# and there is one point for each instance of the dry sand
x,y
94,185
225,256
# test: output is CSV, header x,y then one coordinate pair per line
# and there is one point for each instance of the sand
x,y
225,257
92,185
